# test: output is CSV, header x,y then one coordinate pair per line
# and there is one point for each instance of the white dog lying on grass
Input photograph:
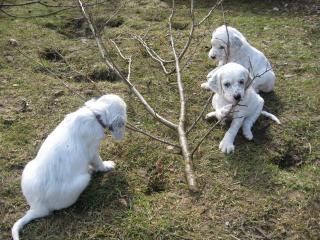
x,y
61,169
243,53
232,85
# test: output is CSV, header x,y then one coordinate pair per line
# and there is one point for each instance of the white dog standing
x,y
60,171
232,85
243,53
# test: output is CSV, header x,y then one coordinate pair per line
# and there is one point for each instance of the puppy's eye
x,y
241,82
227,85
221,47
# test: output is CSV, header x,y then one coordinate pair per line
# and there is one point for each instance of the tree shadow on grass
x,y
251,170
272,102
250,163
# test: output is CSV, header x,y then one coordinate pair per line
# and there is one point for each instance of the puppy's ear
x,y
117,127
236,41
214,83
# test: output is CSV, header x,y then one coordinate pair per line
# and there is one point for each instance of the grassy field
x,y
267,189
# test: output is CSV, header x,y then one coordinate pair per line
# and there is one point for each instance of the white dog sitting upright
x,y
243,53
232,85
61,169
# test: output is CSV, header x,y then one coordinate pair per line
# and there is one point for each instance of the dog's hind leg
x,y
29,216
248,123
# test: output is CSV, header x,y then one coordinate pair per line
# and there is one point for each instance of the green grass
x,y
267,189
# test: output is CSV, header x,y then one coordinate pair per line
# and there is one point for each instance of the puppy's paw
x,y
225,110
108,166
205,86
210,116
226,146
248,135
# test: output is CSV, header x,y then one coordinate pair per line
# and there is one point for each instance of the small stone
x,y
58,93
24,106
288,75
170,147
84,40
88,92
13,42
123,202
8,121
275,9
9,58
15,85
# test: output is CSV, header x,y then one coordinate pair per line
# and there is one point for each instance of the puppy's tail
x,y
29,216
271,116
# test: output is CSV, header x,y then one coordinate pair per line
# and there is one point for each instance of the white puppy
x,y
243,53
61,169
232,84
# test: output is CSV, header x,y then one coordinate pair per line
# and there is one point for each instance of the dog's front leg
x,y
102,166
226,145
221,63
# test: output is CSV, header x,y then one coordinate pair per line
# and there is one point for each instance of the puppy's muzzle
x,y
237,97
213,57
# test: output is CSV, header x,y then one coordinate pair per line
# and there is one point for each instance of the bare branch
x,y
110,63
48,70
258,75
201,113
210,12
152,53
204,137
18,4
186,46
41,2
78,72
181,126
115,13
228,36
35,16
135,129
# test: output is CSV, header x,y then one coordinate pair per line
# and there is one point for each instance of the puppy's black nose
x,y
212,57
237,97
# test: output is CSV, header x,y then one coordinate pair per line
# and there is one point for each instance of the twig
x,y
48,70
135,129
18,4
186,46
46,4
204,137
35,16
210,12
152,53
228,36
76,71
115,13
201,113
104,54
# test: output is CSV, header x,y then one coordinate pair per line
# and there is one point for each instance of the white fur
x,y
230,82
243,53
60,171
